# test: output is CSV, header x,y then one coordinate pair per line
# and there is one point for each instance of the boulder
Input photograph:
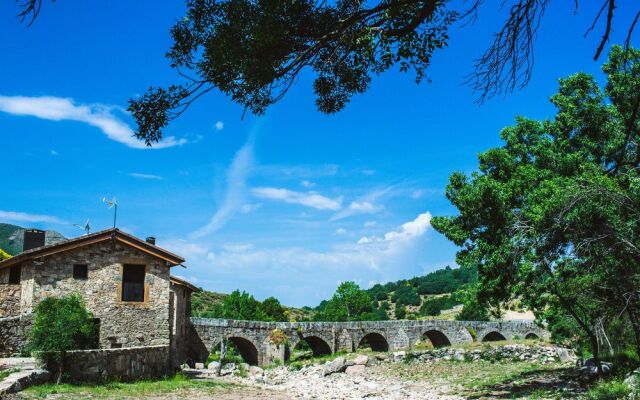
x,y
633,380
399,355
355,369
337,365
213,366
255,371
199,365
566,355
361,360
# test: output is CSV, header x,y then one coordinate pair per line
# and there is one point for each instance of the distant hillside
x,y
431,295
11,238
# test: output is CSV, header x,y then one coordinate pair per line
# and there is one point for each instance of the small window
x,y
133,282
14,274
80,271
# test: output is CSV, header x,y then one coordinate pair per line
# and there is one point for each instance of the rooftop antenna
x,y
112,204
86,227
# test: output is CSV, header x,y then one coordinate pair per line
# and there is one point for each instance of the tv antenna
x,y
112,204
86,227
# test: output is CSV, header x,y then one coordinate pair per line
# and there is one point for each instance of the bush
x,y
609,391
61,324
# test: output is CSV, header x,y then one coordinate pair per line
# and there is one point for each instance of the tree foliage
x,y
4,255
60,324
254,51
553,215
348,303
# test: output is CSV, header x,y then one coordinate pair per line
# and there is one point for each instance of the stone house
x,y
124,281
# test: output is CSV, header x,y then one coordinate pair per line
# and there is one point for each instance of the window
x,y
133,282
80,271
14,274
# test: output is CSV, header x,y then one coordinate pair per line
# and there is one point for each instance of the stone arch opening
x,y
247,350
307,347
532,336
494,336
375,341
437,338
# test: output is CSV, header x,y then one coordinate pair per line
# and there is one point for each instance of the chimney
x,y
33,238
151,240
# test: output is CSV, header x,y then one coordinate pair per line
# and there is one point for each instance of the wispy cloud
x,y
234,200
307,183
366,204
145,176
310,199
26,217
97,115
407,231
219,125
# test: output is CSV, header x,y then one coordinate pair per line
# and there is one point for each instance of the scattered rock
x,y
213,366
361,360
566,355
337,365
355,369
199,365
255,371
399,355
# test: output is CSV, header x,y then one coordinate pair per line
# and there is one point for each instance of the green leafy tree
x,y
400,312
348,303
242,306
552,216
254,51
60,325
273,310
4,255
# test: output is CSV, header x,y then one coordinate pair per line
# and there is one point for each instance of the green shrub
x,y
61,324
609,391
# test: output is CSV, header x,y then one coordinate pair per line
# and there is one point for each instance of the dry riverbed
x,y
387,379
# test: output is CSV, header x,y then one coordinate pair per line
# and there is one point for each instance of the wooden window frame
x,y
13,268
145,302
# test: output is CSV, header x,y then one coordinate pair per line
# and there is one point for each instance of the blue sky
x,y
284,205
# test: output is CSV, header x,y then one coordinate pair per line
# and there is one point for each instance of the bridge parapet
x,y
253,337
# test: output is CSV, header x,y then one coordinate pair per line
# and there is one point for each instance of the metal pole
x,y
115,214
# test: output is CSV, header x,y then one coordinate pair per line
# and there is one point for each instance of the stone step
x,y
21,380
18,362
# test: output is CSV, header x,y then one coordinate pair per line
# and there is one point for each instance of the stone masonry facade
x,y
122,324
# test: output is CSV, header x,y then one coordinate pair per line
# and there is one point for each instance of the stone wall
x,y
13,334
125,364
121,324
180,324
9,299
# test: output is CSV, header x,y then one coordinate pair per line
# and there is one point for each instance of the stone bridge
x,y
262,343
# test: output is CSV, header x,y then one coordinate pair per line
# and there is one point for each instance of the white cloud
x,y
234,199
310,199
407,231
364,205
53,153
307,184
370,224
341,231
25,217
219,125
145,176
65,109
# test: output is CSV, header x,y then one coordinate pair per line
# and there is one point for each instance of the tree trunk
x,y
223,354
60,368
593,340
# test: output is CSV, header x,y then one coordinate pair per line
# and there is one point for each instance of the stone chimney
x,y
151,240
33,238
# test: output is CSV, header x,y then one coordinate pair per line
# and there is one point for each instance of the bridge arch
x,y
437,338
247,349
493,336
532,336
318,345
375,340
